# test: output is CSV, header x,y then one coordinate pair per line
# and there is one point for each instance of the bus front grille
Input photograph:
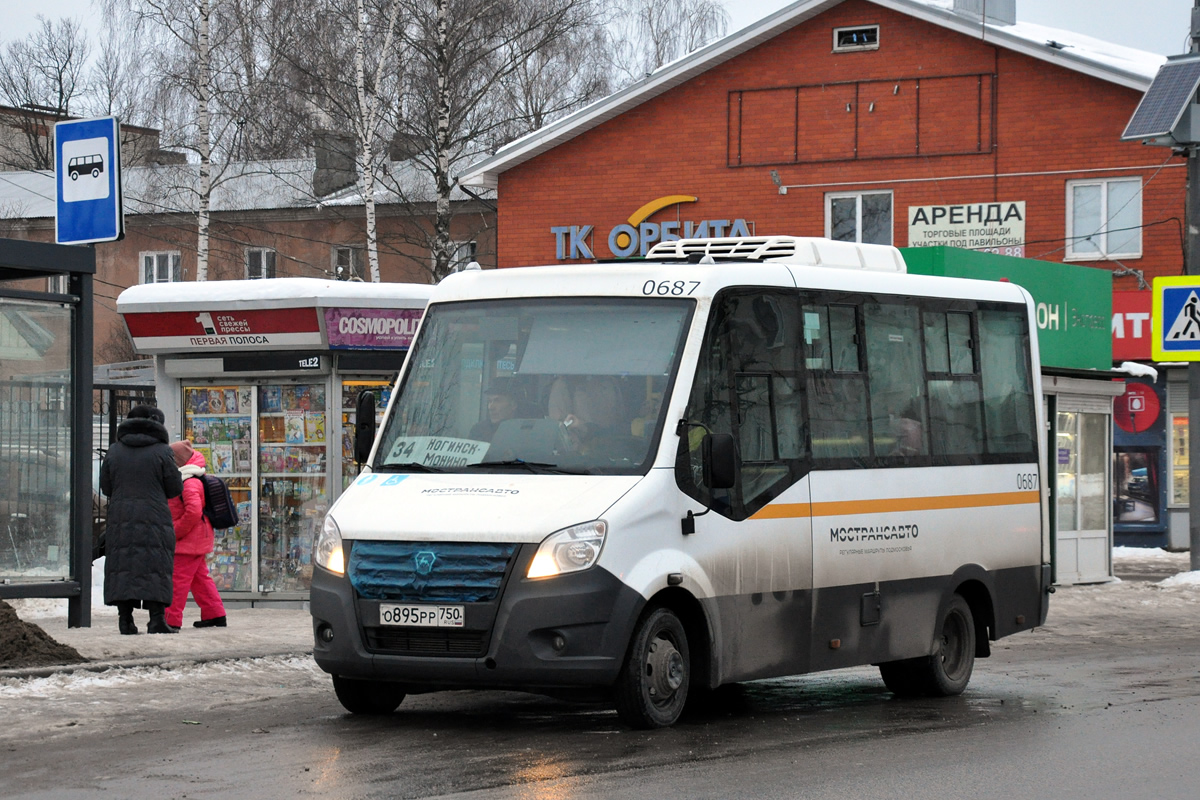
x,y
435,642
429,572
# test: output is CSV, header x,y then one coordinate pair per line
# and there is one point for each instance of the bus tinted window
x,y
837,394
1007,392
896,375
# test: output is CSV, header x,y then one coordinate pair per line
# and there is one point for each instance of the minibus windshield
x,y
536,385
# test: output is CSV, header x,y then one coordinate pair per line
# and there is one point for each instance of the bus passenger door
x,y
756,545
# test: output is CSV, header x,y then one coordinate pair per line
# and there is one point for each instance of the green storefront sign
x,y
1074,304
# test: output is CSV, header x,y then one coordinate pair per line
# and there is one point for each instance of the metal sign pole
x,y
1193,268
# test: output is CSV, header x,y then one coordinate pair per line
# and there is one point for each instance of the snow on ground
x,y
1156,553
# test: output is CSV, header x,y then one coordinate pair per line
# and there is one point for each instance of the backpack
x,y
218,502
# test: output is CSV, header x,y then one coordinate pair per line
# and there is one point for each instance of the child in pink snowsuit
x,y
193,541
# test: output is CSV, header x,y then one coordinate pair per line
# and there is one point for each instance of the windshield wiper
x,y
408,466
536,467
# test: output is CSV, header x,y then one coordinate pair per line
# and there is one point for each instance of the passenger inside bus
x,y
589,407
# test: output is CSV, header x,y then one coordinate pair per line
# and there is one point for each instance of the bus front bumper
x,y
566,632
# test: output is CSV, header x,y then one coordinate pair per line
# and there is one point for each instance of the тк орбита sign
x,y
636,235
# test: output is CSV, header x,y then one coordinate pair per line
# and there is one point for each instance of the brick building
x,y
267,222
913,123
27,141
846,119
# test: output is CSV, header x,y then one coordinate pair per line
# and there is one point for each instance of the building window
x,y
461,254
1104,219
348,264
260,263
57,284
161,267
860,37
864,217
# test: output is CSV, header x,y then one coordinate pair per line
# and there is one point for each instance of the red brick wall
x,y
1047,119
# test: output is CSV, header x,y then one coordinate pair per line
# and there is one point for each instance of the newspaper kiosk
x,y
262,376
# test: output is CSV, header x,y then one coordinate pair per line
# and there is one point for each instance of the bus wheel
x,y
653,685
944,673
953,651
368,697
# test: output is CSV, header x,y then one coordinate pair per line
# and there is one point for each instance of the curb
x,y
165,662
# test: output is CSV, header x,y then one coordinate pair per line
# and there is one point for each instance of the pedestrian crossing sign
x,y
1175,319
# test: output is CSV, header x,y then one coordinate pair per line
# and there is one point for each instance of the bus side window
x,y
955,401
1007,382
748,383
896,372
837,395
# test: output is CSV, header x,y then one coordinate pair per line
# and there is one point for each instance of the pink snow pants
x,y
191,575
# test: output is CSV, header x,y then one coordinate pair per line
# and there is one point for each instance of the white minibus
x,y
734,459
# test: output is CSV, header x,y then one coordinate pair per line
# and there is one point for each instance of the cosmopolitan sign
x,y
371,328
637,235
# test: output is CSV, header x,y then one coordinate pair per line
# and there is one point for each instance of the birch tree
x,y
215,81
462,60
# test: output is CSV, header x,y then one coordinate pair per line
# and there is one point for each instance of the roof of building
x,y
275,293
247,186
1124,66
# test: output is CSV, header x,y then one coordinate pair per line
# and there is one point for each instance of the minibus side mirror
x,y
719,453
364,426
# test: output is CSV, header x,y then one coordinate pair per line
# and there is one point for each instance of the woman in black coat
x,y
138,475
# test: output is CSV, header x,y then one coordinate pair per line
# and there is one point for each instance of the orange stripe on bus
x,y
847,507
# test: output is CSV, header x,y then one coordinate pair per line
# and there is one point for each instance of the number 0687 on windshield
x,y
421,616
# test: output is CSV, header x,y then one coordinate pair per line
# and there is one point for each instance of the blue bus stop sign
x,y
87,171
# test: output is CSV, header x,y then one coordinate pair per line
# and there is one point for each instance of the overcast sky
x,y
1159,26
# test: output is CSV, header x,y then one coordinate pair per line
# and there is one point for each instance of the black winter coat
x,y
138,475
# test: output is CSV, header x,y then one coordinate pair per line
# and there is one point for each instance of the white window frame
x,y
162,259
854,48
358,263
263,253
1100,238
462,253
831,196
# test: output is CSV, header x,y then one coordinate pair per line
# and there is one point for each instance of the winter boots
x,y
215,622
158,620
125,619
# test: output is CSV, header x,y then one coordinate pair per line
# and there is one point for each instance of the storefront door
x,y
1083,514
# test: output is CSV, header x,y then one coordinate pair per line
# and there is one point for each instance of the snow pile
x,y
1190,580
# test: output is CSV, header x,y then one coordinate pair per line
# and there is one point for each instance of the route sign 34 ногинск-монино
x,y
87,166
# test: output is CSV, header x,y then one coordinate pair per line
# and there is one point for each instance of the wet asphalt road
x,y
1104,702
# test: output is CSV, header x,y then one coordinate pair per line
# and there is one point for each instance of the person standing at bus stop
x,y
138,476
194,540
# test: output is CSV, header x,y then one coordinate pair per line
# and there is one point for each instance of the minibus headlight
x,y
327,550
569,550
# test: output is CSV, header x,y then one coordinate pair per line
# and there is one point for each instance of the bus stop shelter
x,y
46,491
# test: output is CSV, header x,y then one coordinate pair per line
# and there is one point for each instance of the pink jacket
x,y
193,531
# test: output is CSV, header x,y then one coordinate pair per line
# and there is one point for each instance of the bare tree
x,y
463,60
215,63
649,33
44,73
